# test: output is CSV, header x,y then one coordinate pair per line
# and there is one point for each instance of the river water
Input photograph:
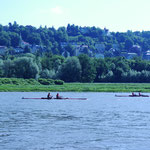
x,y
103,122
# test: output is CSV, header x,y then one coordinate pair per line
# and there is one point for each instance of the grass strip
x,y
79,87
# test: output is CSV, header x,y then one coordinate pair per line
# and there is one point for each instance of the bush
x,y
5,81
32,81
46,81
17,81
59,82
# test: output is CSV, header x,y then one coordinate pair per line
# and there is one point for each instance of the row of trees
x,y
51,38
75,69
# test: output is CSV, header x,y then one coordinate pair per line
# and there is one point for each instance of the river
x,y
103,122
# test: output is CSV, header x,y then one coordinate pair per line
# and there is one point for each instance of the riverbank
x,y
79,87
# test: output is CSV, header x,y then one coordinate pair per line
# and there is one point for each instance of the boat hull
x,y
57,98
132,96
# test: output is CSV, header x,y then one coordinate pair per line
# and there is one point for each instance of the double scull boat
x,y
57,98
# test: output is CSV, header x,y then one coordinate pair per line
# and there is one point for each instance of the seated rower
x,y
49,96
133,94
57,96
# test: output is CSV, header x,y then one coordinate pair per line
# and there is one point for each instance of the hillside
x,y
73,40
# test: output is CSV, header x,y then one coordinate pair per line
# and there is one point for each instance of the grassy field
x,y
80,87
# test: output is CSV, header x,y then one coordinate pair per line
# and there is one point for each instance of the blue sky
x,y
115,15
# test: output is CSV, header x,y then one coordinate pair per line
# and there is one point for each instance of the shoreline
x,y
78,87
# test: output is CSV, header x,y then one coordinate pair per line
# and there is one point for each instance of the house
x,y
3,49
100,48
106,32
63,44
18,50
115,46
131,55
99,55
23,44
79,49
135,49
146,55
35,48
128,55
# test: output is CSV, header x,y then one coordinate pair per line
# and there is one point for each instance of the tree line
x,y
51,38
75,69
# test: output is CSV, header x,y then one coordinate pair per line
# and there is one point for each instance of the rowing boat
x,y
132,96
57,98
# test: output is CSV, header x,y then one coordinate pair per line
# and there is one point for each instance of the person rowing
x,y
58,97
49,96
133,94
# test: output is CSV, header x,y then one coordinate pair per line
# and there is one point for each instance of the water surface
x,y
103,122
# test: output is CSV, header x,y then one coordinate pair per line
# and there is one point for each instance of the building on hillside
x,y
131,55
63,44
100,55
146,55
128,55
23,44
35,48
38,48
100,48
3,49
115,46
81,49
135,49
106,32
18,50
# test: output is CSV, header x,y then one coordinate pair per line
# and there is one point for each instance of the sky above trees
x,y
116,15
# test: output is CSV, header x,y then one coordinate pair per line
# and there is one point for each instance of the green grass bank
x,y
78,87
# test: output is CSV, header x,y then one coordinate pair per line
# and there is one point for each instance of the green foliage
x,y
88,69
26,68
70,70
59,82
73,69
45,81
51,38
19,81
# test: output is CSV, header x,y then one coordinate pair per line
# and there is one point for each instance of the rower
x,y
57,96
133,94
49,96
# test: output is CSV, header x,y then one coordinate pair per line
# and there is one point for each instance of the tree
x,y
48,74
101,68
27,49
71,70
128,44
88,73
69,48
15,39
9,68
4,39
1,68
26,68
34,38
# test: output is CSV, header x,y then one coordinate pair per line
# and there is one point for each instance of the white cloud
x,y
57,10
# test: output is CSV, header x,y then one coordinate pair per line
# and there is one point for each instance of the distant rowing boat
x,y
132,96
57,98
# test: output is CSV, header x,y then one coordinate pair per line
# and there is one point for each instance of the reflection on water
x,y
103,122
